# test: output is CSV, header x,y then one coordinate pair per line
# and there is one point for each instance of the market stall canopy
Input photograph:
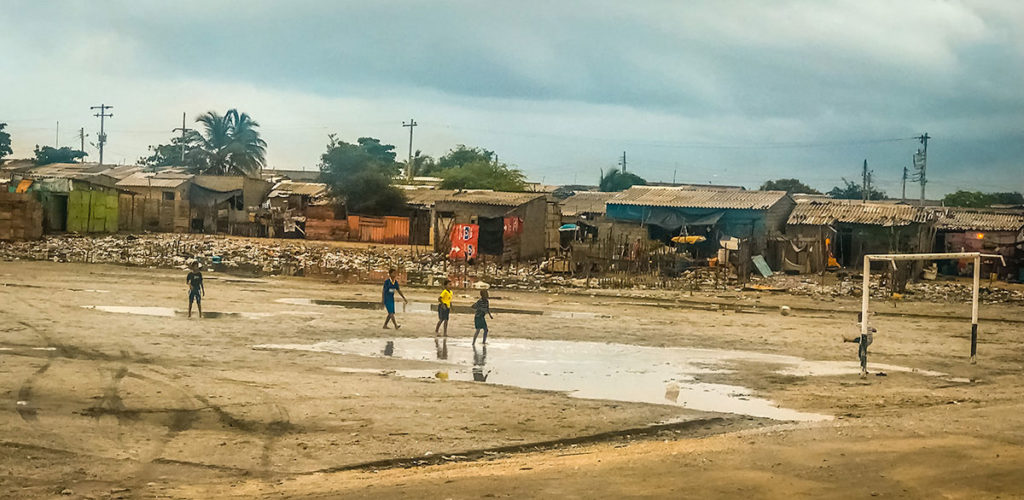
x,y
199,195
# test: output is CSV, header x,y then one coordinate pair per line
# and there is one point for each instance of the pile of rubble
x,y
363,263
924,291
270,257
259,256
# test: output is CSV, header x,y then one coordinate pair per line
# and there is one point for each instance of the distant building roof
x,y
959,219
425,197
823,213
586,202
288,188
121,171
102,175
496,198
161,180
295,175
698,197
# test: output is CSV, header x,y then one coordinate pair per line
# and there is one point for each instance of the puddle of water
x,y
144,311
427,307
171,312
589,370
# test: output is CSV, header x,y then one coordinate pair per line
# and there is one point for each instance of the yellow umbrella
x,y
689,240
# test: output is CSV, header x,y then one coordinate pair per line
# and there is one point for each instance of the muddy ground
x,y
98,404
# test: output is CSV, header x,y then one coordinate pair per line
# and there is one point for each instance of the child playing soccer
x,y
483,309
444,308
388,298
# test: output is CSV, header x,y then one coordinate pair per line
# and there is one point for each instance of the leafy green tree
x,y
977,199
169,155
1012,198
482,174
617,180
457,157
46,155
852,191
231,144
5,142
360,175
788,185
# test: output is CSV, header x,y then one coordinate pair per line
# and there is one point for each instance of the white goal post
x,y
866,294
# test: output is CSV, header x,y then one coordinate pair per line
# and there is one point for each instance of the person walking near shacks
x,y
444,308
388,298
482,309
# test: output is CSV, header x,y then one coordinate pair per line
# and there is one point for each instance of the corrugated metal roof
x,y
425,197
823,213
150,179
952,219
288,188
690,197
497,198
220,183
121,171
586,202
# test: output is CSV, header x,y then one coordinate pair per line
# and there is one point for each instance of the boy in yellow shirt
x,y
444,308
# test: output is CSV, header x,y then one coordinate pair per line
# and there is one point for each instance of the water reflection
x,y
595,370
441,345
479,361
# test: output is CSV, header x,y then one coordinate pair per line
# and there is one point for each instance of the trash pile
x,y
257,257
287,257
924,291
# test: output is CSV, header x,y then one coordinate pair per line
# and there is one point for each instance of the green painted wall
x,y
92,212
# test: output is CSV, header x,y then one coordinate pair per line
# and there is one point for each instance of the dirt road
x,y
114,404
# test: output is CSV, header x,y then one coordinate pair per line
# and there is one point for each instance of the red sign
x,y
464,240
513,226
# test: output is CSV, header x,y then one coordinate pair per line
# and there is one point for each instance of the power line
x,y
921,163
408,166
103,135
183,130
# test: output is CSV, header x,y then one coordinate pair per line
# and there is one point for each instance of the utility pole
x,y
623,162
904,197
408,166
103,135
56,140
921,163
183,130
81,137
864,182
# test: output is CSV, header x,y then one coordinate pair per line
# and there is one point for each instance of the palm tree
x,y
231,144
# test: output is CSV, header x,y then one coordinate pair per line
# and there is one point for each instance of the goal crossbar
x,y
866,293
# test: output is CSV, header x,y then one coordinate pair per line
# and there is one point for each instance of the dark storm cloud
x,y
726,72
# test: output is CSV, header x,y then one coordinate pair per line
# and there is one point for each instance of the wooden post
x,y
865,295
974,310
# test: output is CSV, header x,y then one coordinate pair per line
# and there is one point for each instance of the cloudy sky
x,y
718,91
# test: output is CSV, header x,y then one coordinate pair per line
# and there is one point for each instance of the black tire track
x,y
26,410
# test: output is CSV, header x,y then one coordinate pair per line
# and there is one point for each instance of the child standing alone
x,y
483,309
196,290
444,308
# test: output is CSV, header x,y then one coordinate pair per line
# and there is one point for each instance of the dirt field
x,y
103,404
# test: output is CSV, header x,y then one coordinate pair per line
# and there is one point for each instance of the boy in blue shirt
x,y
388,298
